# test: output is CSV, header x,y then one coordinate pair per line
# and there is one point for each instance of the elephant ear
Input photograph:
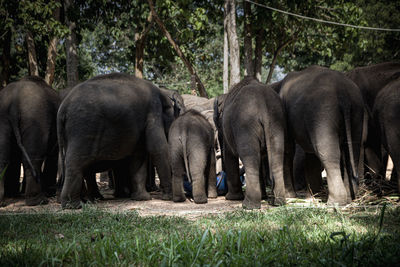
x,y
168,111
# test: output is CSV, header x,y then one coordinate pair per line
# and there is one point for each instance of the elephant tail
x,y
18,138
347,123
61,146
185,159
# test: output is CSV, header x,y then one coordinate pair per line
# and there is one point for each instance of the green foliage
x,y
278,236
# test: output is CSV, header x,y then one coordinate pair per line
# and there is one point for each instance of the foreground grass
x,y
278,236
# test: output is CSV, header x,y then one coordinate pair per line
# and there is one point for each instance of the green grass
x,y
277,236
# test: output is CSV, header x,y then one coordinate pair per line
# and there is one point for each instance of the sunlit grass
x,y
277,236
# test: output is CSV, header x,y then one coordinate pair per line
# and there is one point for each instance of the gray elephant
x,y
197,102
386,119
109,119
371,80
28,110
191,141
252,122
325,113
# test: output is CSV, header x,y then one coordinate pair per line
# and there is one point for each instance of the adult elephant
x,y
325,114
109,119
191,140
28,110
253,126
386,118
371,80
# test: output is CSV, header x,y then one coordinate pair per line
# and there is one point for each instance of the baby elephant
x,y
191,141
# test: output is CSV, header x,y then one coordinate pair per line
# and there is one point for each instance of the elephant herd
x,y
283,133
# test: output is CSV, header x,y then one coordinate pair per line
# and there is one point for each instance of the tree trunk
x,y
276,53
52,53
140,40
258,54
5,72
200,86
32,59
226,55
71,49
248,44
233,42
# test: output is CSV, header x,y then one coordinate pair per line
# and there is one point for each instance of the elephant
x,y
197,102
325,116
191,146
371,80
111,119
252,122
386,119
28,110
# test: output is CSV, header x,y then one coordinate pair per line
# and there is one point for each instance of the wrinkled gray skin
x,y
371,80
251,119
386,118
109,119
197,102
325,114
191,142
28,111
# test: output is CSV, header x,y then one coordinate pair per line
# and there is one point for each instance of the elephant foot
x,y
36,200
338,201
71,204
121,194
96,196
2,203
179,198
167,196
212,194
141,196
250,205
200,199
234,196
290,194
152,188
279,201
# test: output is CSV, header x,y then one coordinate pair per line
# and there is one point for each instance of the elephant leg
x,y
178,171
157,147
347,180
329,155
288,168
252,163
33,190
299,163
138,170
71,191
211,175
197,166
93,192
49,180
231,163
264,176
121,177
312,171
3,166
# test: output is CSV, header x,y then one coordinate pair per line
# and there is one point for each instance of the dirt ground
x,y
154,207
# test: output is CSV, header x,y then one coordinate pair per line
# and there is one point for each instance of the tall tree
x,y
226,54
32,59
52,50
248,42
234,54
200,87
71,45
140,41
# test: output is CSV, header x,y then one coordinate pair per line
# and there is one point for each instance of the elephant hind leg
x,y
71,191
33,191
178,171
235,191
210,173
197,166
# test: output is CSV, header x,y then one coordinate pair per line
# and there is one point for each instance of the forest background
x,y
190,45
